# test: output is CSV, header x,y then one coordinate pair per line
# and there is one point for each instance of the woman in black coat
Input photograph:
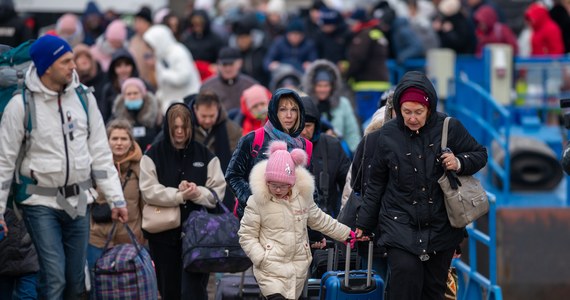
x,y
403,197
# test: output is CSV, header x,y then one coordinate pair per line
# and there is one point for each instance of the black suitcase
x,y
238,286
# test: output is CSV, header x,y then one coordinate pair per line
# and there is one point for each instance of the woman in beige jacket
x,y
273,229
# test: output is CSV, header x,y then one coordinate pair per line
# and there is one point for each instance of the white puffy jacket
x,y
176,73
52,157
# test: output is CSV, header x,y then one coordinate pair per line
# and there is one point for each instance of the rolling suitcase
x,y
356,284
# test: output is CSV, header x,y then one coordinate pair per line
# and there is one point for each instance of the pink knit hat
x,y
256,94
136,82
116,31
281,164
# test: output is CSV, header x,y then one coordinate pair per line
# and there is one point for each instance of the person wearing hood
x,y
252,43
177,170
126,156
93,22
215,131
121,68
114,39
176,73
490,31
285,76
14,29
546,37
273,231
57,167
329,163
203,43
286,122
90,74
323,84
230,83
254,104
140,108
403,197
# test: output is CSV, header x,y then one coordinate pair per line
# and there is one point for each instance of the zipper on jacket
x,y
64,139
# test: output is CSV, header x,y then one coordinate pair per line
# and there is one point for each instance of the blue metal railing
x,y
488,122
472,284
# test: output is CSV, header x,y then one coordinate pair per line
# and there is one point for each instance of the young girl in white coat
x,y
273,230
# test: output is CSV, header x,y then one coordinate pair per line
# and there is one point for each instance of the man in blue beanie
x,y
64,146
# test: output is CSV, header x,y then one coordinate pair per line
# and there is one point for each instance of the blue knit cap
x,y
46,50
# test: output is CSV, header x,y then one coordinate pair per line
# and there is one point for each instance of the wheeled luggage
x,y
238,286
356,284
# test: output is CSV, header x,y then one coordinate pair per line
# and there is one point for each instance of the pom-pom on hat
x,y
136,82
414,94
46,50
281,164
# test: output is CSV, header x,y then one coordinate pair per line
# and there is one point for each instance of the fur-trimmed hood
x,y
304,183
308,83
147,116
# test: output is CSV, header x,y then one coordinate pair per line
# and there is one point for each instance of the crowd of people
x,y
262,107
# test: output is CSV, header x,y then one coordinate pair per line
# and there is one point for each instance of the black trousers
x,y
173,282
413,279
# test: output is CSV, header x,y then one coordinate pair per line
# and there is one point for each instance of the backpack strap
x,y
309,150
257,141
82,93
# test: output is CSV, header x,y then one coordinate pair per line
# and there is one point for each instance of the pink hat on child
x,y
281,164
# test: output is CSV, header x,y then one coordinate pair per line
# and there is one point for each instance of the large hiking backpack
x,y
14,62
13,65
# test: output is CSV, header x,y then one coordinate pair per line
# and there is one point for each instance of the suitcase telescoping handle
x,y
368,269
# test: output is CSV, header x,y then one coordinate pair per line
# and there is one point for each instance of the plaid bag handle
x,y
112,234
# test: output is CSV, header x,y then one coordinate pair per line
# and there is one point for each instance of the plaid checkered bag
x,y
125,271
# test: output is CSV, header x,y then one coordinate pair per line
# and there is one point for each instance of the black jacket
x,y
17,253
337,163
242,161
203,46
403,196
14,30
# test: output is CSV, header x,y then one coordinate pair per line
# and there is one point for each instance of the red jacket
x,y
546,37
490,30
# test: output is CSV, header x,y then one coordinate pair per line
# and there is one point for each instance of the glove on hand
x,y
351,239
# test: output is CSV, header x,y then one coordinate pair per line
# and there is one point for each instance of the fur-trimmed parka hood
x,y
308,83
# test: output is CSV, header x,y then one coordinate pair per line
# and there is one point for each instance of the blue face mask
x,y
135,104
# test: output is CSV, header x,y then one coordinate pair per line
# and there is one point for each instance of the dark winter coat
x,y
205,46
403,197
14,30
17,253
560,15
332,46
283,52
253,57
337,163
237,174
367,54
461,38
